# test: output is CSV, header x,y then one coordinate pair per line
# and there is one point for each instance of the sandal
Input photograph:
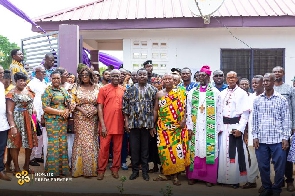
x,y
176,182
30,171
161,178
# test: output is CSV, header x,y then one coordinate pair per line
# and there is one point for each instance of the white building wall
x,y
196,47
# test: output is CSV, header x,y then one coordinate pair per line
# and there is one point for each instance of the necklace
x,y
231,91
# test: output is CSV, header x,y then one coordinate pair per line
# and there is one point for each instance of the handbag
x,y
70,128
38,129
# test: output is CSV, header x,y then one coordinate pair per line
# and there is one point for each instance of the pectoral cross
x,y
202,108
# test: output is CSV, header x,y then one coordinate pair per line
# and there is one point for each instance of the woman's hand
x,y
13,132
65,113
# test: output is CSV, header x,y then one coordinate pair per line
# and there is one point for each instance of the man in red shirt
x,y
110,99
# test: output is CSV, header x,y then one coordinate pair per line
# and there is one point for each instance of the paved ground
x,y
108,186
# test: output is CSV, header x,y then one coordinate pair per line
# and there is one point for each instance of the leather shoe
x,y
133,176
191,182
39,160
34,163
3,176
115,175
146,177
290,186
249,185
100,176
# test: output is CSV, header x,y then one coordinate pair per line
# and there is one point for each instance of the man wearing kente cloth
x,y
203,122
169,114
17,64
233,160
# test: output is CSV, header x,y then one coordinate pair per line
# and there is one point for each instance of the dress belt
x,y
20,109
231,121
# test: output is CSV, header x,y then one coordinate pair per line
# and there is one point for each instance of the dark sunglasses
x,y
218,75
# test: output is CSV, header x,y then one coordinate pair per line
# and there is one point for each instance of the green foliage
x,y
80,66
121,187
102,68
167,191
5,48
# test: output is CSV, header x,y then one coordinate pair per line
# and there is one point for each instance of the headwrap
x,y
206,69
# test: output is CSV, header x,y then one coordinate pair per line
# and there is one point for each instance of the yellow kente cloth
x,y
172,140
11,86
15,67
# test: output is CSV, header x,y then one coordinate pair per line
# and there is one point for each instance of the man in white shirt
x,y
253,172
4,127
38,86
233,162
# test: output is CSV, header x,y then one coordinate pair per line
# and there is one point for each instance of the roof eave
x,y
163,23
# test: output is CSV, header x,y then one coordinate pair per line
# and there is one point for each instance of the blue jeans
x,y
264,154
3,142
124,151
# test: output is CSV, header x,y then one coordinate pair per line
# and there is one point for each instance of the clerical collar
x,y
233,88
203,88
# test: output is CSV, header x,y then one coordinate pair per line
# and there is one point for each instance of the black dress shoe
x,y
146,177
236,186
34,163
133,176
39,160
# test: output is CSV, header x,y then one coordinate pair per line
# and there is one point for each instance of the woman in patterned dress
x,y
19,113
85,148
55,102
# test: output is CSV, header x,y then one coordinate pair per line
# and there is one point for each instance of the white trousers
x,y
70,140
253,169
45,143
37,151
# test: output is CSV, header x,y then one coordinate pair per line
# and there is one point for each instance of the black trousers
x,y
139,144
289,167
3,143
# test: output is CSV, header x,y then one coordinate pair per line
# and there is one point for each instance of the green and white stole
x,y
210,124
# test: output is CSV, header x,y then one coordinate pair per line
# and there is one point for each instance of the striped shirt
x,y
271,119
289,93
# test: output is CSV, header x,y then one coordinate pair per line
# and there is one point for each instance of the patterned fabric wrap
x,y
26,136
85,148
210,125
56,127
172,140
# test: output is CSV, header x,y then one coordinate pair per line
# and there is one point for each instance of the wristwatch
x,y
12,126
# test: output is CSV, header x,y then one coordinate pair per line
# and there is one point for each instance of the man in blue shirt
x,y
48,65
218,78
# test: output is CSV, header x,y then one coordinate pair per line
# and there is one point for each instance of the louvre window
x,y
247,62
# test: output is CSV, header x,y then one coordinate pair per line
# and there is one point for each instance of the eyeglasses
x,y
218,75
44,72
202,75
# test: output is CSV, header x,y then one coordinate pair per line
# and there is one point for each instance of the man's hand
x,y
153,132
182,124
127,126
256,143
285,144
104,132
245,137
237,133
190,134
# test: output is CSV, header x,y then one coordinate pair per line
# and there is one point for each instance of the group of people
x,y
215,132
